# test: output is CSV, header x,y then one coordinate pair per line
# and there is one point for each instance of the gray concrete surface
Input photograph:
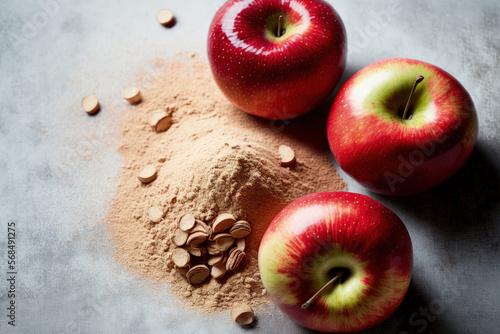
x,y
58,167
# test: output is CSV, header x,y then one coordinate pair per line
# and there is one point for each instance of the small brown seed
x,y
187,222
155,214
180,237
240,243
132,95
217,271
212,248
217,259
197,238
165,16
160,121
242,314
90,104
147,174
287,156
224,241
234,258
197,251
223,222
204,226
198,274
240,229
199,228
181,257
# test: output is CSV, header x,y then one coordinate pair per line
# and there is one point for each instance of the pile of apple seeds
x,y
205,250
201,163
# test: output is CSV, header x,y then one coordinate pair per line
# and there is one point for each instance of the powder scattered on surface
x,y
213,159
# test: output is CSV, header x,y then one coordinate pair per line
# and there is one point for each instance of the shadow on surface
x,y
412,316
461,204
310,128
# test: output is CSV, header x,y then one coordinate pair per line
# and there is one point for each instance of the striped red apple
x,y
277,59
398,141
336,261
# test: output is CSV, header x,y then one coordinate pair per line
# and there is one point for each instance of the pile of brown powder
x,y
214,159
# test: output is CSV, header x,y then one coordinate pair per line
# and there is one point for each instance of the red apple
x,y
395,155
277,70
320,235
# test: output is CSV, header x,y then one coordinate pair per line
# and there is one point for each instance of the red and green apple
x,y
346,236
277,59
402,126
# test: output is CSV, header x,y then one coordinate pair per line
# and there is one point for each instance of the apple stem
x,y
415,84
316,295
280,24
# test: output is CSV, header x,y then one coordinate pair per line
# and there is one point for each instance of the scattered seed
x,y
223,222
224,241
180,237
240,243
217,271
160,121
242,314
198,274
187,222
181,257
165,17
132,95
90,104
155,214
240,229
287,156
147,174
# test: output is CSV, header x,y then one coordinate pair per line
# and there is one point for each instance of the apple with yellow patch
x,y
336,261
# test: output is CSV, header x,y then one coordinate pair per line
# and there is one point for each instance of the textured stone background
x,y
59,167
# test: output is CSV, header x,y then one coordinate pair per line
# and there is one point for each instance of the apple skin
x,y
392,156
327,230
271,77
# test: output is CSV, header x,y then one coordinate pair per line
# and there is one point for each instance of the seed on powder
x,y
90,104
197,251
160,121
165,16
240,243
234,258
223,222
205,227
155,214
287,156
180,237
197,238
212,248
218,270
242,314
187,222
181,257
198,274
147,174
217,259
224,241
132,95
240,229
